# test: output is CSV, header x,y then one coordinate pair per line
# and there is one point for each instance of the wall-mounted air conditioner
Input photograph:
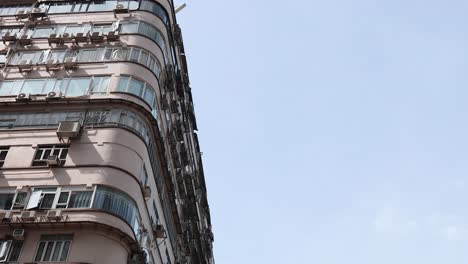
x,y
81,38
70,63
25,65
96,37
9,37
68,129
18,234
26,216
53,161
54,39
147,192
5,217
38,13
158,231
120,9
54,215
25,40
112,36
22,97
52,65
54,95
22,14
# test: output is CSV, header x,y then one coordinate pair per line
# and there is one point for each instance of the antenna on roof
x,y
180,7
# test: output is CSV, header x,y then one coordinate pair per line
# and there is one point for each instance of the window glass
x,y
80,7
96,6
116,202
6,200
135,54
80,199
60,7
33,86
129,28
104,29
120,54
78,86
123,83
49,86
99,85
53,248
5,87
15,250
144,57
57,55
43,32
149,95
136,87
73,30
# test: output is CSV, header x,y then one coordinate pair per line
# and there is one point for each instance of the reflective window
x,y
156,9
117,202
138,88
76,86
8,10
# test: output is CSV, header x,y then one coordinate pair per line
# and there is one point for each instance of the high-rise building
x,y
99,155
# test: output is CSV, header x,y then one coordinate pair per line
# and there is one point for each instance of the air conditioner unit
x,y
96,37
53,161
70,63
164,104
52,65
54,39
22,14
26,216
68,129
66,37
25,40
25,65
112,36
18,234
10,37
54,215
53,95
81,37
120,9
147,192
23,97
5,217
38,13
158,231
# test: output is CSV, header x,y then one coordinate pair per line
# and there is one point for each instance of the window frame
x,y
3,149
54,244
42,161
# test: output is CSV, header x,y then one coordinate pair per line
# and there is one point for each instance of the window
x,y
53,248
144,176
137,88
155,216
99,85
6,200
44,152
3,154
117,202
53,198
10,250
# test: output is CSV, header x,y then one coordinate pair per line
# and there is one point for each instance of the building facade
x,y
99,155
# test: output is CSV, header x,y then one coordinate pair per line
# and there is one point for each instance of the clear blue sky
x,y
333,132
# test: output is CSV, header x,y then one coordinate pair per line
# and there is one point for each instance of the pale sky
x,y
333,132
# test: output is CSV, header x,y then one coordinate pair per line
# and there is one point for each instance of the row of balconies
x,y
40,13
60,39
